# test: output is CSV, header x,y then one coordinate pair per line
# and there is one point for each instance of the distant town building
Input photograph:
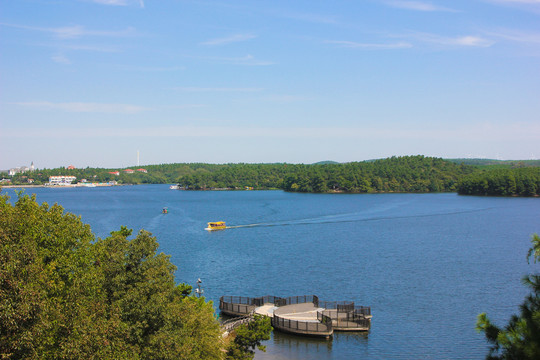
x,y
142,170
71,167
129,171
61,180
21,170
114,173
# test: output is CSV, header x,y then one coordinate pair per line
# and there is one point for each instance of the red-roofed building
x,y
142,170
114,173
129,171
71,167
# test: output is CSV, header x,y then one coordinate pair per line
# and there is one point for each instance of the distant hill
x,y
395,174
492,163
326,162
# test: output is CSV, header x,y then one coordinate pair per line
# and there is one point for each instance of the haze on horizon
x,y
91,82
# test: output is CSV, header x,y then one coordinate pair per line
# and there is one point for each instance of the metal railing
x,y
344,306
321,327
260,301
298,300
347,320
236,304
232,324
236,299
362,310
340,305
336,314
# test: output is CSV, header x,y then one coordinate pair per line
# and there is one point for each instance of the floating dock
x,y
301,315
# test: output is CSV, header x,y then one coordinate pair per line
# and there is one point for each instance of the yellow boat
x,y
217,225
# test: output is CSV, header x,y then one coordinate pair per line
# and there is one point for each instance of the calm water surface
x,y
427,264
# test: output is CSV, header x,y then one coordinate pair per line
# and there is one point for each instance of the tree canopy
x,y
395,174
520,339
502,182
409,174
66,295
249,336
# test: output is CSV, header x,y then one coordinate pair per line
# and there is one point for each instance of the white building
x,y
61,180
21,169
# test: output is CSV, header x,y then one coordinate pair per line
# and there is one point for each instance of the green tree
x,y
520,339
161,321
51,301
66,295
249,336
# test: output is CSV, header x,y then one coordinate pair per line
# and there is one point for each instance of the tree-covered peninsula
x,y
502,182
395,174
413,174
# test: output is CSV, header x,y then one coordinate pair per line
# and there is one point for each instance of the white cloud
x,y
373,46
111,2
118,2
217,89
229,39
469,41
61,59
92,48
516,35
468,132
458,41
534,2
75,31
248,60
154,69
418,6
313,18
285,98
80,107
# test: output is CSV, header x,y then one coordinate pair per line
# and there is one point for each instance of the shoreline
x,y
57,186
328,193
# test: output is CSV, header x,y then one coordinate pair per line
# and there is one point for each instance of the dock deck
x,y
304,315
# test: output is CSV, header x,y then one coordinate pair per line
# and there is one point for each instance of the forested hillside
x,y
492,163
502,182
396,174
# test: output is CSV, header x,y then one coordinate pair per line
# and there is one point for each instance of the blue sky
x,y
91,82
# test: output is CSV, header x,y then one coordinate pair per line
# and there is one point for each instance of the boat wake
x,y
349,218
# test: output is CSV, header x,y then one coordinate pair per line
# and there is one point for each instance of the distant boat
x,y
174,187
217,225
165,211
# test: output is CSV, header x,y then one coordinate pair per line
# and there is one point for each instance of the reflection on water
x,y
295,347
292,347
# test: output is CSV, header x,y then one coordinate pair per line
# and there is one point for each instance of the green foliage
x,y
66,295
497,164
248,337
396,174
502,182
520,339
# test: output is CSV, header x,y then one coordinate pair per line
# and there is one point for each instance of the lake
x,y
426,264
